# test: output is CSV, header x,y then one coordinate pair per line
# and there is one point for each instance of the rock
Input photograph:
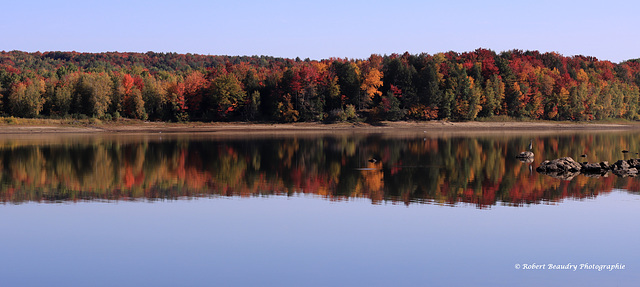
x,y
563,168
525,154
620,165
628,172
596,175
563,175
566,168
564,164
634,162
625,168
593,168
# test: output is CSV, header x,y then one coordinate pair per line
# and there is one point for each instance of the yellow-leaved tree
x,y
371,83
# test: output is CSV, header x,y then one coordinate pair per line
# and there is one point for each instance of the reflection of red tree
x,y
129,180
230,173
189,180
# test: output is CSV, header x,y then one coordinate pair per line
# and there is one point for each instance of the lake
x,y
333,209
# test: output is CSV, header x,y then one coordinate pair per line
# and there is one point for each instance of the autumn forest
x,y
187,87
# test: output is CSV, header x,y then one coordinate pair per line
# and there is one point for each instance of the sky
x,y
607,30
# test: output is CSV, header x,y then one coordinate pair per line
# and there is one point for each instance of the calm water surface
x,y
175,210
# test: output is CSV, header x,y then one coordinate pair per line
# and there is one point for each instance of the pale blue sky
x,y
607,30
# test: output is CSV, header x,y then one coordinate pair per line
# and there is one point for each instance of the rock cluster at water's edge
x,y
567,168
560,164
625,168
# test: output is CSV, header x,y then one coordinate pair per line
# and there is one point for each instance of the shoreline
x,y
139,127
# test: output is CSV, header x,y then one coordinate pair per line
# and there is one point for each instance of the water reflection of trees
x,y
477,170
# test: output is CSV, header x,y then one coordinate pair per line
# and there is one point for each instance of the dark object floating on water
x,y
526,159
525,154
625,151
584,155
373,160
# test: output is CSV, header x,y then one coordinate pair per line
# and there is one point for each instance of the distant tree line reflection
x,y
444,170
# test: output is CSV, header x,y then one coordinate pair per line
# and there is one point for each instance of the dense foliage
x,y
454,86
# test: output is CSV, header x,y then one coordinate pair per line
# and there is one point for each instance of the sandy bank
x,y
239,128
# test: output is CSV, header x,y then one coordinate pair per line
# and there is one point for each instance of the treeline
x,y
183,87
